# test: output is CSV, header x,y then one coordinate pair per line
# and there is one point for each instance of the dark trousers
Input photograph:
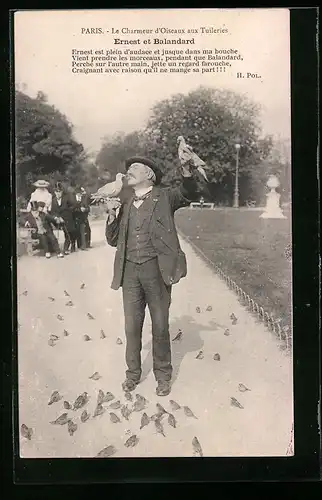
x,y
81,235
69,239
88,234
48,242
143,285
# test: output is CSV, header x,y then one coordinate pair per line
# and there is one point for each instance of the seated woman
x,y
42,222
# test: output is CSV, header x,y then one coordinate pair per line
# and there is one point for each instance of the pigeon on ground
x,y
174,405
171,420
200,355
66,293
26,432
51,342
243,388
99,410
119,341
90,316
67,405
108,397
70,303
114,418
81,401
102,334
159,427
60,317
84,416
106,452
128,396
72,427
51,299
54,398
82,286
139,405
233,318
209,308
61,420
116,405
54,337
100,397
144,420
178,336
198,310
132,441
188,412
125,412
234,402
217,356
25,293
95,376
197,447
87,338
66,333
227,332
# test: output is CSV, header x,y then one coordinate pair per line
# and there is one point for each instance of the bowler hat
x,y
41,184
148,163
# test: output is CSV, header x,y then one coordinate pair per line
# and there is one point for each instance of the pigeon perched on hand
x,y
110,190
188,157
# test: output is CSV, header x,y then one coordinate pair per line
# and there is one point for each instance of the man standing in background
x,y
148,261
81,211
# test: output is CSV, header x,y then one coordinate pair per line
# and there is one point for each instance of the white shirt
x,y
142,192
137,203
41,195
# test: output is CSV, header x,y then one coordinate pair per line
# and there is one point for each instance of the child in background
x,y
42,222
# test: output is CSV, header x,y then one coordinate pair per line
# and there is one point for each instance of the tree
x,y
45,145
211,121
114,151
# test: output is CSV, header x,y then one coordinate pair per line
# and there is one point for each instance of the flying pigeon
x,y
187,156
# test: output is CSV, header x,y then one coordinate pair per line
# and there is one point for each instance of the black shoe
x,y
129,385
164,388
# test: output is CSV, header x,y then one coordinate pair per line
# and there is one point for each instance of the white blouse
x,y
41,195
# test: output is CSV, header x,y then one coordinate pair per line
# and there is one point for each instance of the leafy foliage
x,y
212,122
45,145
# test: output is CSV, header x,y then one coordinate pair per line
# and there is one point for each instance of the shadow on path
x,y
191,341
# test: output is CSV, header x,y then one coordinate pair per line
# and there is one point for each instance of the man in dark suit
x,y
148,261
63,205
81,211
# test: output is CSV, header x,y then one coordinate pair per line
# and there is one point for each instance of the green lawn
x,y
248,249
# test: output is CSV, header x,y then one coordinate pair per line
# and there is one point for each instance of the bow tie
x,y
142,197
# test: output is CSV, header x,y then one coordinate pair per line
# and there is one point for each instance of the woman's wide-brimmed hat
x,y
148,163
41,184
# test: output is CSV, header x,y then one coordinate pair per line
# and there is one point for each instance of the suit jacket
x,y
65,210
79,215
164,237
46,219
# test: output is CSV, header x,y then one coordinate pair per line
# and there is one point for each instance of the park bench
x,y
196,204
26,241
